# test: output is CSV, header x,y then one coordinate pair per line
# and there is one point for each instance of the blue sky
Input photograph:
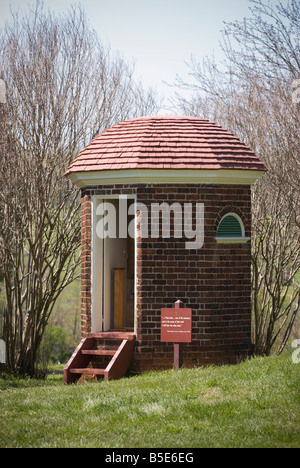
x,y
160,35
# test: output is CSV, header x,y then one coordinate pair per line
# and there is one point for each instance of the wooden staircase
x,y
106,354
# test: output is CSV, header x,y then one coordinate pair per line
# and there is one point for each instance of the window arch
x,y
231,230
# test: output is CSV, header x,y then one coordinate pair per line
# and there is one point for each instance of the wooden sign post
x,y
176,327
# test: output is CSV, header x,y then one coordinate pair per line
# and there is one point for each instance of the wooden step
x,y
99,352
113,335
88,371
118,359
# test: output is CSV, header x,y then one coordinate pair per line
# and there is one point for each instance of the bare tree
x,y
275,264
252,95
63,87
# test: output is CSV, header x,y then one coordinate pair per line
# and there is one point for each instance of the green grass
x,y
253,404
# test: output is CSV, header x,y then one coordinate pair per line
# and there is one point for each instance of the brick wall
x,y
214,281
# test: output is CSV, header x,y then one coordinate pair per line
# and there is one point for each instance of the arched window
x,y
231,230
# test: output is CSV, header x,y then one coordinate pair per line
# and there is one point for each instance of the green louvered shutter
x,y
229,227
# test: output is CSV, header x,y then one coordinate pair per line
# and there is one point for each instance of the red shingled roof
x,y
165,142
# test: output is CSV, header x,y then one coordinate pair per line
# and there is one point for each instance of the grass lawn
x,y
253,404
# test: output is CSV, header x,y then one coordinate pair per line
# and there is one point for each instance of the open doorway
x,y
113,266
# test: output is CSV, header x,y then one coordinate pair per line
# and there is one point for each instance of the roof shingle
x,y
165,142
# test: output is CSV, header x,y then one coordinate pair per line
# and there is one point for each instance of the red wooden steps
x,y
113,335
81,362
99,352
88,371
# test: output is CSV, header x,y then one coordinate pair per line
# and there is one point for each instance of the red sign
x,y
176,325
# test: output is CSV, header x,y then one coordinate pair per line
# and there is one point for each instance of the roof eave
x,y
166,176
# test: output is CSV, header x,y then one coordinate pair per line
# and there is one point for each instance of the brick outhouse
x,y
166,215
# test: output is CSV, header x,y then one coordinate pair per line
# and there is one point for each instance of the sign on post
x,y
176,327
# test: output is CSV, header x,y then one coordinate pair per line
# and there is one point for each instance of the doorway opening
x,y
113,265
